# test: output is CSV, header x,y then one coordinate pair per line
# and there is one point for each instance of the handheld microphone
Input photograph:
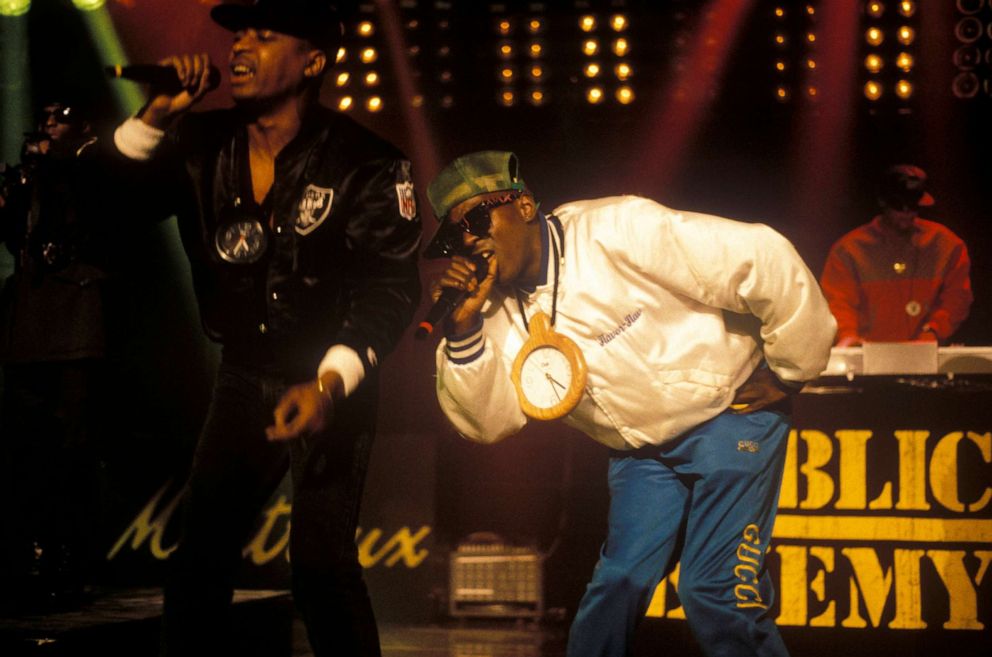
x,y
161,78
449,300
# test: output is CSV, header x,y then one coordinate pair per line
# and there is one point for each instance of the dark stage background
x,y
706,132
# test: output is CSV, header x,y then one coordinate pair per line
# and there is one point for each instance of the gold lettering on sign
x,y
853,469
148,526
256,549
912,470
820,486
271,541
944,470
883,539
963,613
402,543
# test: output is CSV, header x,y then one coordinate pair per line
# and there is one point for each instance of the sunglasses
x,y
477,222
61,113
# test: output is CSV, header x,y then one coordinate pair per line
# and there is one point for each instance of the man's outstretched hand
x,y
306,408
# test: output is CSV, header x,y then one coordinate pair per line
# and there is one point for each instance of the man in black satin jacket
x,y
302,232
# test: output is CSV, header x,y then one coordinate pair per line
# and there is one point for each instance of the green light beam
x,y
129,95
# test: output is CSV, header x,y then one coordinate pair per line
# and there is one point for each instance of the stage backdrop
x,y
884,534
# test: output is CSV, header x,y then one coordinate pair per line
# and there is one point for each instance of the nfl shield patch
x,y
315,206
407,200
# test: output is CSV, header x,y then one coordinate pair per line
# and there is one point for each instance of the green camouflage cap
x,y
470,175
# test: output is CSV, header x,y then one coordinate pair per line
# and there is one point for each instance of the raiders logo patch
x,y
315,206
407,200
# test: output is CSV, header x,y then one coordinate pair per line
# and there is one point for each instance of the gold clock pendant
x,y
549,372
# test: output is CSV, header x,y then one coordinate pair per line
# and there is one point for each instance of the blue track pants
x,y
708,500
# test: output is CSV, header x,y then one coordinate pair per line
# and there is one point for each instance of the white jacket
x,y
672,311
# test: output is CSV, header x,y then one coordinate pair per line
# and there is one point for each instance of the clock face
x,y
241,242
545,377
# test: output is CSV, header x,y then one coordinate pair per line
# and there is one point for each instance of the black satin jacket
x,y
343,235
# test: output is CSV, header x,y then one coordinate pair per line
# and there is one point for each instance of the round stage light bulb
x,y
373,104
366,29
14,7
537,97
623,71
591,70
873,63
507,74
904,89
905,62
369,55
587,23
507,98
342,79
506,50
536,72
779,12
811,64
907,8
536,49
782,94
875,9
590,47
968,57
968,29
625,95
594,95
874,36
618,22
371,79
873,90
341,56
504,27
346,103
906,35
535,26
965,85
968,7
621,47
88,5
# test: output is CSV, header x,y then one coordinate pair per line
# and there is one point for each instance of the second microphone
x,y
162,78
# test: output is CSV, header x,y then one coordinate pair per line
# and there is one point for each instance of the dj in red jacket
x,y
898,277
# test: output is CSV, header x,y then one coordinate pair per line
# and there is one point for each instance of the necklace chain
x,y
554,288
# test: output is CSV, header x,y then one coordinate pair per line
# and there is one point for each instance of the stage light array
x,y
605,48
521,50
889,58
972,58
794,50
358,71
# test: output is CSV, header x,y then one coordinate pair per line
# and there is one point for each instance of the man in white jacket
x,y
675,339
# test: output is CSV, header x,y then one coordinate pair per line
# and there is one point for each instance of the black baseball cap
x,y
315,20
904,186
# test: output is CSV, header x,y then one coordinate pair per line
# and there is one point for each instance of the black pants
x,y
51,474
234,472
